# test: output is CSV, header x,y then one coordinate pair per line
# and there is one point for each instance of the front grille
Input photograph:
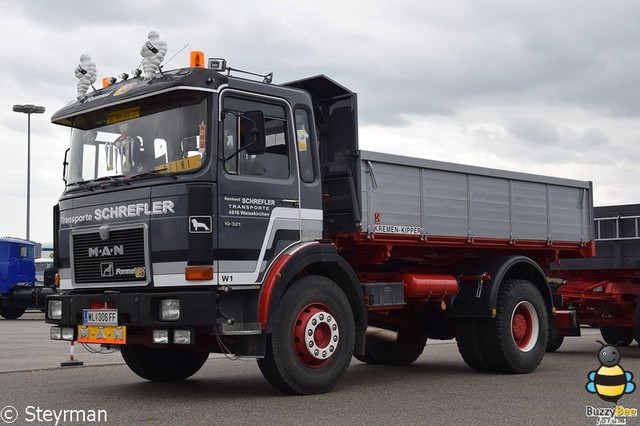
x,y
119,259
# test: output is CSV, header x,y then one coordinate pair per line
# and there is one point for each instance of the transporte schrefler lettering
x,y
123,211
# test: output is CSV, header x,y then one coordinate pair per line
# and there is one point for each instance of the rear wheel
x,y
312,338
554,344
617,336
163,365
12,311
404,351
515,340
469,343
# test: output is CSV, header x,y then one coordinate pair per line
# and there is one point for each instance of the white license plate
x,y
100,316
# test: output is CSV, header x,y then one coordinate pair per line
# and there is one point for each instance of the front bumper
x,y
197,308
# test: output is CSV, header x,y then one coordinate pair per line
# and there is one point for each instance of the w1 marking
x,y
226,278
200,224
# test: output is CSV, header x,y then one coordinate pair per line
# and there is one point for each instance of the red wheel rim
x,y
316,335
524,326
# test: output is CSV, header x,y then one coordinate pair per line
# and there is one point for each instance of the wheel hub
x,y
316,335
524,326
520,328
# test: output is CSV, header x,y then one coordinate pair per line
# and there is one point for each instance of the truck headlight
x,y
170,310
182,337
54,310
161,336
55,333
68,333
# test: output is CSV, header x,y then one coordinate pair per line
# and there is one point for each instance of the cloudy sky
x,y
546,87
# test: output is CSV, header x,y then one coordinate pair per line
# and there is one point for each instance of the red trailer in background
x,y
602,291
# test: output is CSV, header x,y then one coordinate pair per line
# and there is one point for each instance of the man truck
x,y
19,285
602,291
205,212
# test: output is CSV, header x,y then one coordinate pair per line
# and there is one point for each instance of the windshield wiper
x,y
153,173
101,182
105,181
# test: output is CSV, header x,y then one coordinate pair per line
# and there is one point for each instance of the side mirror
x,y
252,138
188,144
65,163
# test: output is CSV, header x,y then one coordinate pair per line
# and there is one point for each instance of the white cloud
x,y
541,87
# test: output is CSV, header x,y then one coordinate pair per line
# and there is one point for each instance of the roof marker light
x,y
108,81
196,59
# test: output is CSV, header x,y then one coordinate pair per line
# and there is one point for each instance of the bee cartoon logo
x,y
610,381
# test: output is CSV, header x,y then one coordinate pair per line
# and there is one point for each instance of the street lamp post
x,y
28,109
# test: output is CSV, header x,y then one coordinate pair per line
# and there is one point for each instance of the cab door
x,y
258,189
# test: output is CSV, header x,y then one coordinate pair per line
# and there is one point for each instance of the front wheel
x,y
163,365
515,340
312,338
12,312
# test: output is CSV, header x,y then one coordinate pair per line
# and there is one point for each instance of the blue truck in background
x,y
18,284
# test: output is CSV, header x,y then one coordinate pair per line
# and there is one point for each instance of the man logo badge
x,y
200,224
106,269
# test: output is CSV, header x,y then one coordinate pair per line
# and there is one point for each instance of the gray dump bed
x,y
401,195
382,193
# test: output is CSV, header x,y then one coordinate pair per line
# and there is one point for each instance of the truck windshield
x,y
160,134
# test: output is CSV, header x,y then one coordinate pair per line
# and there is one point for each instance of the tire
x,y
12,312
469,343
636,322
163,365
312,338
404,351
617,336
514,342
554,344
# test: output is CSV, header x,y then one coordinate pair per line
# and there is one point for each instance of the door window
x,y
274,162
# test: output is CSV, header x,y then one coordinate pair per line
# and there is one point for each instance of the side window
x,y
24,251
303,144
274,162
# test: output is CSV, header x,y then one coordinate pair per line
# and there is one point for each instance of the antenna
x,y
169,60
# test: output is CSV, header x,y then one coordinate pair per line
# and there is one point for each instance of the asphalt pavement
x,y
439,389
26,346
